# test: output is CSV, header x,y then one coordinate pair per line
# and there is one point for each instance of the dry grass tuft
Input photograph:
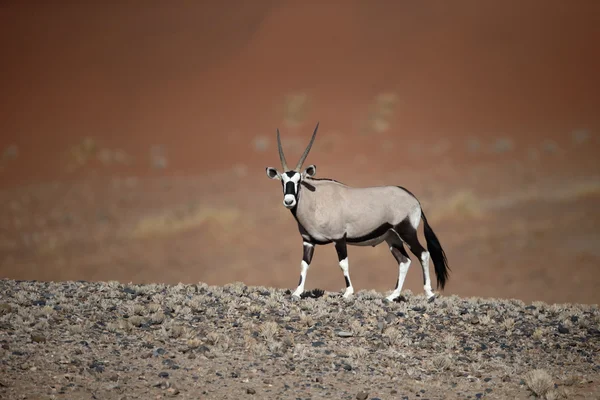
x,y
269,330
357,352
508,324
539,382
137,320
441,363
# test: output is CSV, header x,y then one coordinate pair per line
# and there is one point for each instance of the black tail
x,y
437,254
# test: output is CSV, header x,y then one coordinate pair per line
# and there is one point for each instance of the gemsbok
x,y
328,211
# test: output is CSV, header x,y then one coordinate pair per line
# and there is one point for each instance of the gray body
x,y
332,212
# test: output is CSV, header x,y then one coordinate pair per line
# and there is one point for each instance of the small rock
x,y
250,391
362,395
474,320
345,334
37,338
163,374
319,379
172,391
390,317
563,329
318,343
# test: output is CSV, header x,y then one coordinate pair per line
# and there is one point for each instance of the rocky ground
x,y
75,340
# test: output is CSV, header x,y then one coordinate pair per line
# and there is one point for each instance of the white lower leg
x,y
344,266
425,265
402,271
300,289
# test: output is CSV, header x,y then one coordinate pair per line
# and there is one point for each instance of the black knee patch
x,y
308,254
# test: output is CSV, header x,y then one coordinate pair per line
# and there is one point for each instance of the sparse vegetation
x,y
200,334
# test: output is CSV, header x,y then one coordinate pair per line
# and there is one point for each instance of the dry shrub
x,y
268,330
357,352
357,328
538,334
194,343
508,324
137,321
394,335
213,338
157,318
441,363
450,341
153,307
301,351
306,319
539,382
176,331
75,329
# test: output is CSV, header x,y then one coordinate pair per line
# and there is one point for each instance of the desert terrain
x,y
133,148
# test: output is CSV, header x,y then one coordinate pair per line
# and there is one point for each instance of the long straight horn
x,y
305,154
281,155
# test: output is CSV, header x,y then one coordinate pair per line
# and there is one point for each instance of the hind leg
x,y
408,233
399,253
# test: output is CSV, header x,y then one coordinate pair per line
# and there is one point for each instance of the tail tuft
x,y
438,256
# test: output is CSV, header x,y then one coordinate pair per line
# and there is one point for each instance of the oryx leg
x,y
408,234
309,250
401,256
342,252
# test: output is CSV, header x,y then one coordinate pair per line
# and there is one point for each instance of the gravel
x,y
114,341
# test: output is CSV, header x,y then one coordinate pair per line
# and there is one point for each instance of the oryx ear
x,y
310,171
272,173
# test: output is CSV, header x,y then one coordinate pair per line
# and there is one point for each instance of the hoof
x,y
398,299
295,297
432,298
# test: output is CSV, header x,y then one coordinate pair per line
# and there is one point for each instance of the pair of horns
x,y
304,155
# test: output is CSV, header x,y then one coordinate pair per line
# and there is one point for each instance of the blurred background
x,y
134,138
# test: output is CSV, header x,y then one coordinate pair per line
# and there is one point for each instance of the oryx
x,y
328,211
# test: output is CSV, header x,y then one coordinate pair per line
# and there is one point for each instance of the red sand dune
x,y
205,79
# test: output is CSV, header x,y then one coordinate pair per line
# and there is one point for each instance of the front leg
x,y
342,252
309,249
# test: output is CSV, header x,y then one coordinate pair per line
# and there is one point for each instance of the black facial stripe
x,y
290,174
290,188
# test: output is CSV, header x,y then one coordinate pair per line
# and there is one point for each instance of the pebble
x,y
250,391
362,395
37,338
345,334
390,317
163,374
563,329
